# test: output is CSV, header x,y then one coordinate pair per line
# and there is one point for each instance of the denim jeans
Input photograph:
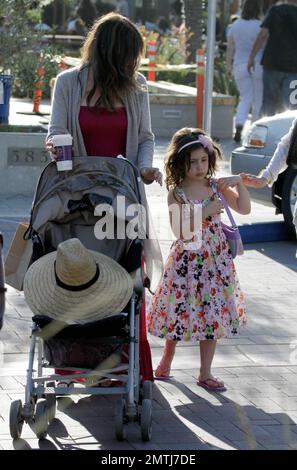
x,y
277,91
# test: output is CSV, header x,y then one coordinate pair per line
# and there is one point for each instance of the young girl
x,y
199,298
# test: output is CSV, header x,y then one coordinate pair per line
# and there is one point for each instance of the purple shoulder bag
x,y
232,233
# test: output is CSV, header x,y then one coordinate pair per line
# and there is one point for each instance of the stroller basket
x,y
83,346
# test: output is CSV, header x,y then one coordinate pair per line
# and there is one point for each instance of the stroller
x,y
92,353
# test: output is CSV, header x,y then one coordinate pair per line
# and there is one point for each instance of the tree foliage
x,y
22,48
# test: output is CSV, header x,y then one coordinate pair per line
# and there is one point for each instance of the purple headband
x,y
204,140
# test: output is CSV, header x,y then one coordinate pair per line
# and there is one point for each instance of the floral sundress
x,y
199,296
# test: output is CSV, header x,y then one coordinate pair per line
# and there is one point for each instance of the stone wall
x,y
22,158
174,106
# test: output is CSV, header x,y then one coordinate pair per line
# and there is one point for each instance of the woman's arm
x,y
235,193
146,139
259,44
278,162
59,115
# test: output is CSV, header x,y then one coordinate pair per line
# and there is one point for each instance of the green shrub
x,y
171,49
222,83
25,75
21,47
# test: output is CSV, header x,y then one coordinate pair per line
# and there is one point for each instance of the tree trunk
x,y
195,14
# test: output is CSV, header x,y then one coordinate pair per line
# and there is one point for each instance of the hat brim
x,y
107,296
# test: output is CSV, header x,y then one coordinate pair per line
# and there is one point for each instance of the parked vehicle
x,y
257,149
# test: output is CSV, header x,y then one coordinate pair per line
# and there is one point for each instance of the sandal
x,y
162,373
212,384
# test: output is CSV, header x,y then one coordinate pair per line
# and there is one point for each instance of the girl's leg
x,y
163,369
207,350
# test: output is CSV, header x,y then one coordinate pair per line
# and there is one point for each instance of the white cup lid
x,y
62,139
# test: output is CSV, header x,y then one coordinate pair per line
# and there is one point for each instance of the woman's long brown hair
x,y
113,49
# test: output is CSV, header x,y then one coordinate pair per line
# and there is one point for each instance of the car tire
x,y
289,196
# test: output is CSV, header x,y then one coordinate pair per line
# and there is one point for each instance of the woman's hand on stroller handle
x,y
149,175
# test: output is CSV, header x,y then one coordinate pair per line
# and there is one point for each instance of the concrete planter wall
x,y
22,158
174,106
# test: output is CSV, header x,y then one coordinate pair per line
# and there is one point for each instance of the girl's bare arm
x,y
235,193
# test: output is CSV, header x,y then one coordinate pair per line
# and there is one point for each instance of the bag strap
x,y
225,204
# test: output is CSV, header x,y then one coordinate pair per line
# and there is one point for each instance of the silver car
x,y
257,148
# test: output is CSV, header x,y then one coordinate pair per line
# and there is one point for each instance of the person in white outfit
x,y
276,166
241,38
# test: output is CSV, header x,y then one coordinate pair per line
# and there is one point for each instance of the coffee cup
x,y
63,147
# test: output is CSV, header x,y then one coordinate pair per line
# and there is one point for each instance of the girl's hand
x,y
252,181
50,148
215,206
229,181
149,175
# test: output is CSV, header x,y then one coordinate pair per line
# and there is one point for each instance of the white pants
x,y
250,88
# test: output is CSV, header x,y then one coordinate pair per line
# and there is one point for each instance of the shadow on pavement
x,y
281,252
223,423
185,417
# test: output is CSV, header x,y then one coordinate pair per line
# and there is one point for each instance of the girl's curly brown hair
x,y
177,164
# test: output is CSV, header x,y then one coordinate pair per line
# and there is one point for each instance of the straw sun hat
x,y
76,285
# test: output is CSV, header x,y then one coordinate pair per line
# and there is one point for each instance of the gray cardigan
x,y
69,88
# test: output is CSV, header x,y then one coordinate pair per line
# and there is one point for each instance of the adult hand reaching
x,y
251,65
253,181
149,175
229,181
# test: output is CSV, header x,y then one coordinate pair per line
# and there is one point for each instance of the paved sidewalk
x,y
259,408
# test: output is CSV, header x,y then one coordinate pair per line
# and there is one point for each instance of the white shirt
x,y
278,162
244,33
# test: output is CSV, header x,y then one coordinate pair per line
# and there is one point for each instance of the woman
x,y
277,165
104,105
241,37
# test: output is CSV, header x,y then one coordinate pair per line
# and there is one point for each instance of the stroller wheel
x,y
120,418
15,419
40,420
147,390
50,402
146,420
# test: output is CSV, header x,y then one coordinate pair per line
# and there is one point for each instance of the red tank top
x,y
104,131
